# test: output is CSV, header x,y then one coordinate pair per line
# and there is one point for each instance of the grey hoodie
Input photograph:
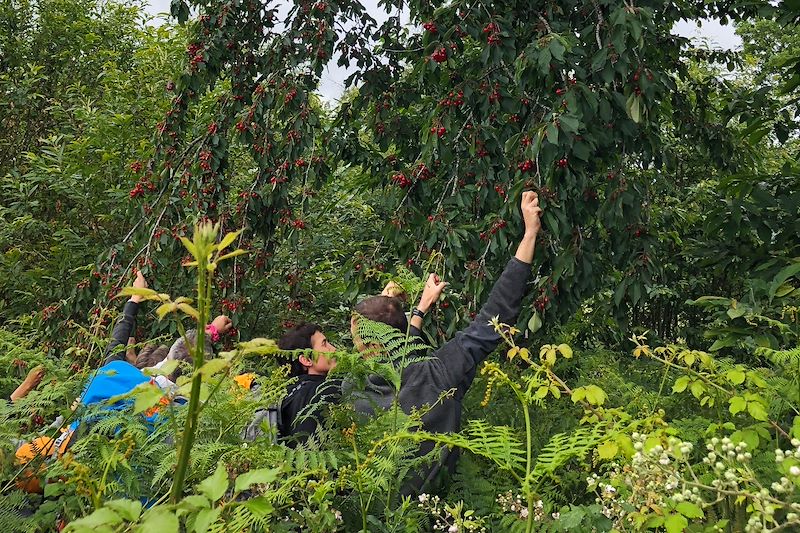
x,y
451,367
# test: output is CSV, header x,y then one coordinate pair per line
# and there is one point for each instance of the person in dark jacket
x,y
302,409
439,383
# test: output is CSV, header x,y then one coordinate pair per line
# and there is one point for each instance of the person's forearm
x,y
526,248
122,332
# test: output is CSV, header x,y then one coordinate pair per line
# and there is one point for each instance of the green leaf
x,y
54,489
215,485
654,522
535,323
735,376
569,123
697,388
675,523
607,450
129,510
782,276
570,520
261,476
725,342
578,394
147,294
680,384
632,107
565,350
557,49
552,134
194,502
205,518
737,405
213,366
595,395
757,411
736,312
747,436
101,517
189,246
164,370
160,520
232,254
227,240
260,507
145,396
689,510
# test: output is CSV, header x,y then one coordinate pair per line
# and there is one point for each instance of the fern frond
x,y
12,508
564,447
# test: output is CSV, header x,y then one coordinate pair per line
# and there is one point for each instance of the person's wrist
x,y
530,234
136,299
417,311
425,305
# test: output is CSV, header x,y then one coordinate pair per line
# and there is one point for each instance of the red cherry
x,y
440,55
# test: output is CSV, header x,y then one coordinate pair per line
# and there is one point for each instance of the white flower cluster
x,y
728,461
510,503
792,453
665,474
449,518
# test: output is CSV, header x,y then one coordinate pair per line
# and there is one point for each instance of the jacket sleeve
x,y
457,359
122,331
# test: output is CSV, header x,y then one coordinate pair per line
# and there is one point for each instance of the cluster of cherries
x,y
492,31
401,180
496,226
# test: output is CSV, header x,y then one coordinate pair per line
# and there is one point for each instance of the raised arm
x,y
461,355
126,325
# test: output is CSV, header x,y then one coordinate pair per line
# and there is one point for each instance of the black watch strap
x,y
417,312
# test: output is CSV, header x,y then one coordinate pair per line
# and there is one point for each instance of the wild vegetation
x,y
651,382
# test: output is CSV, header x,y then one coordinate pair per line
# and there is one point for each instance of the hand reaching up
x,y
139,283
531,213
430,294
223,324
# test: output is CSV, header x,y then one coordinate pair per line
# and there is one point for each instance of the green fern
x,y
564,447
12,508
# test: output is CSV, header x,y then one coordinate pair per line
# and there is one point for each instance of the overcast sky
x,y
331,88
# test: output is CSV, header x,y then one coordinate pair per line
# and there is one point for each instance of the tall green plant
x,y
207,254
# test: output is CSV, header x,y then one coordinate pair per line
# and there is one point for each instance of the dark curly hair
x,y
298,338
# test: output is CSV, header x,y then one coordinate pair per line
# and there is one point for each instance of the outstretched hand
x,y
531,213
223,324
139,283
430,294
